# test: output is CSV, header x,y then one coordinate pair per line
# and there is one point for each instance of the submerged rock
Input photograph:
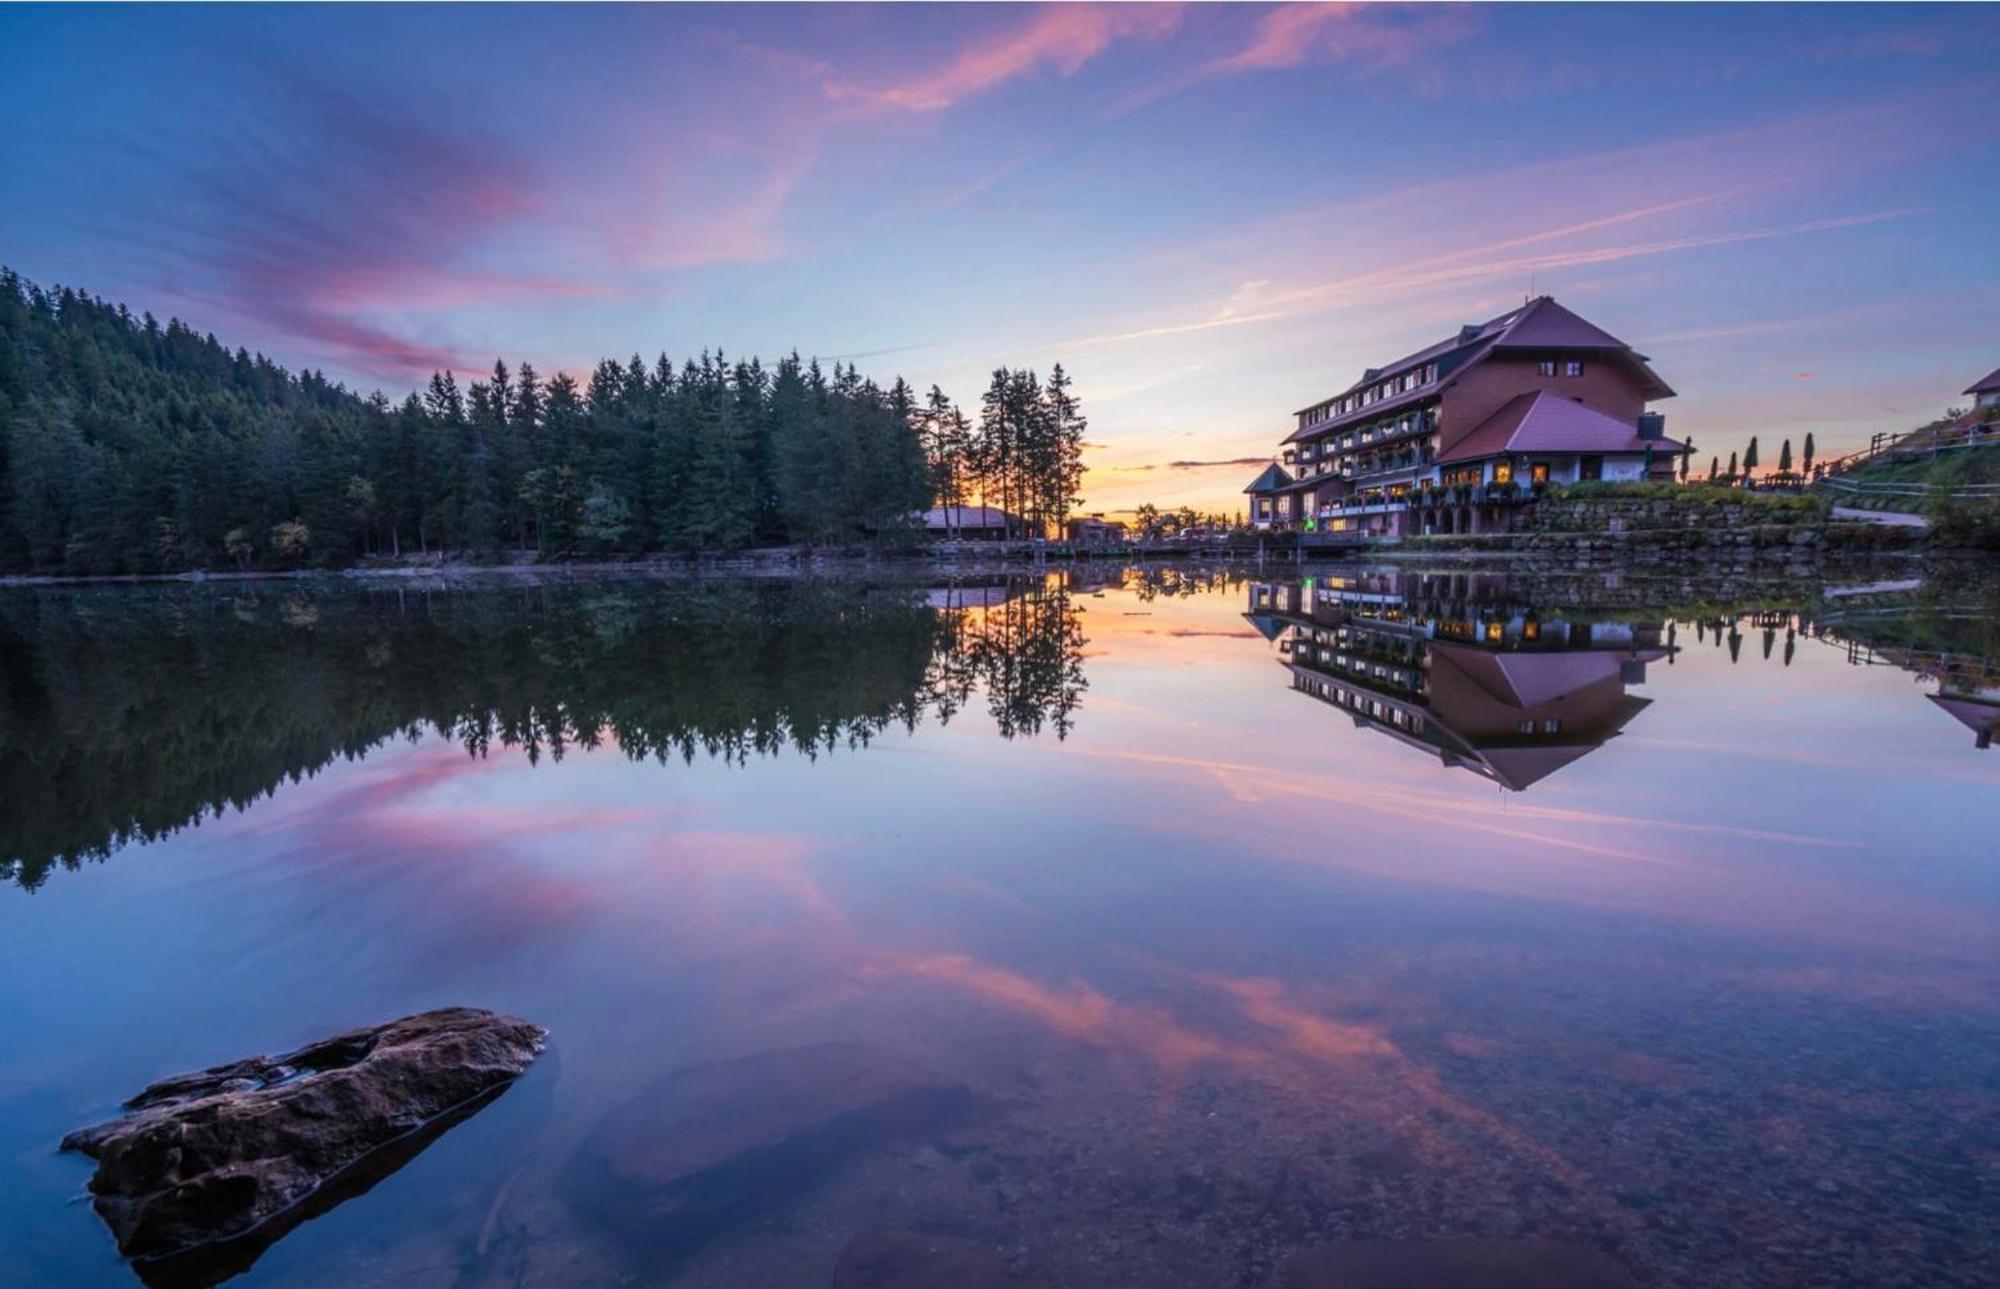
x,y
1464,1264
210,1168
714,1146
887,1259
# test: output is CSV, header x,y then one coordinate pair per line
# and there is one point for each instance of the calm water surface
x,y
1142,932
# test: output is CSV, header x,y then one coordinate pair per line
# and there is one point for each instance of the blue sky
x,y
1210,215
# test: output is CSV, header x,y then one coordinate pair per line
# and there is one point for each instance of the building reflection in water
x,y
1466,666
1947,635
1453,665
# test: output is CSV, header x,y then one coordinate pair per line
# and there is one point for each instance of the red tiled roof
x,y
1544,324
1986,384
1521,768
1539,421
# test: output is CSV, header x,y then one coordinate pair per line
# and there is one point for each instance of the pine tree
x,y
796,440
1067,426
998,446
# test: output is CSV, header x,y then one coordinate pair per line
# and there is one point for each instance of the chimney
x,y
1652,425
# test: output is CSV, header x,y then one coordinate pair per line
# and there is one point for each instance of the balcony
x,y
1392,463
1481,494
1421,423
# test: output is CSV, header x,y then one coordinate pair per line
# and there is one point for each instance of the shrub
x,y
1690,494
1964,524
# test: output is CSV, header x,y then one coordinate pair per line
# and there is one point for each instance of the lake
x,y
1100,928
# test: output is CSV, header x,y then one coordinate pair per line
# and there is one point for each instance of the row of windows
x,y
1367,706
1403,384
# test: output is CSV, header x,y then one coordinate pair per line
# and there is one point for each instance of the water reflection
x,y
1176,981
126,715
1944,633
1460,668
130,714
1472,669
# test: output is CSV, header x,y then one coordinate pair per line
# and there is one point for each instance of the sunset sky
x,y
1210,215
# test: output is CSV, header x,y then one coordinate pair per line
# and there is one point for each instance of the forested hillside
x,y
131,447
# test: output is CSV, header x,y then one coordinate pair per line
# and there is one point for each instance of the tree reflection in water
x,y
129,713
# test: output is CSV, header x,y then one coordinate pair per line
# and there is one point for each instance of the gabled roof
x,y
1521,768
1987,384
1544,324
1539,421
1273,478
1267,626
1539,325
966,517
1969,712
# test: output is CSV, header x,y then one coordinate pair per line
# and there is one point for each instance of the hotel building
x,y
1456,436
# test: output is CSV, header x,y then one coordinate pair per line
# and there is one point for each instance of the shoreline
x,y
790,562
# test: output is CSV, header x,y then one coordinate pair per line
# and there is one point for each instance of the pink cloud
x,y
695,214
1292,34
1369,37
1061,36
343,219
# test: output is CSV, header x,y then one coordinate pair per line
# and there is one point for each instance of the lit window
x,y
1503,472
1539,472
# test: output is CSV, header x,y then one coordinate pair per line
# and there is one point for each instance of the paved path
x,y
1895,517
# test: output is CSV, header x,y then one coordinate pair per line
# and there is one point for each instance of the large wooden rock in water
x,y
238,1153
714,1146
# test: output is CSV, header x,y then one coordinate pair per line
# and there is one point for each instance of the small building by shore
x,y
970,523
1094,530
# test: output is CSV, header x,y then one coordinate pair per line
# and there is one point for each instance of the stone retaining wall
x,y
1614,515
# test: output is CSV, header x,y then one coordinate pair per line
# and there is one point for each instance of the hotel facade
x,y
1458,436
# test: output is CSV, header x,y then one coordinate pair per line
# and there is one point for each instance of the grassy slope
x,y
1951,467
